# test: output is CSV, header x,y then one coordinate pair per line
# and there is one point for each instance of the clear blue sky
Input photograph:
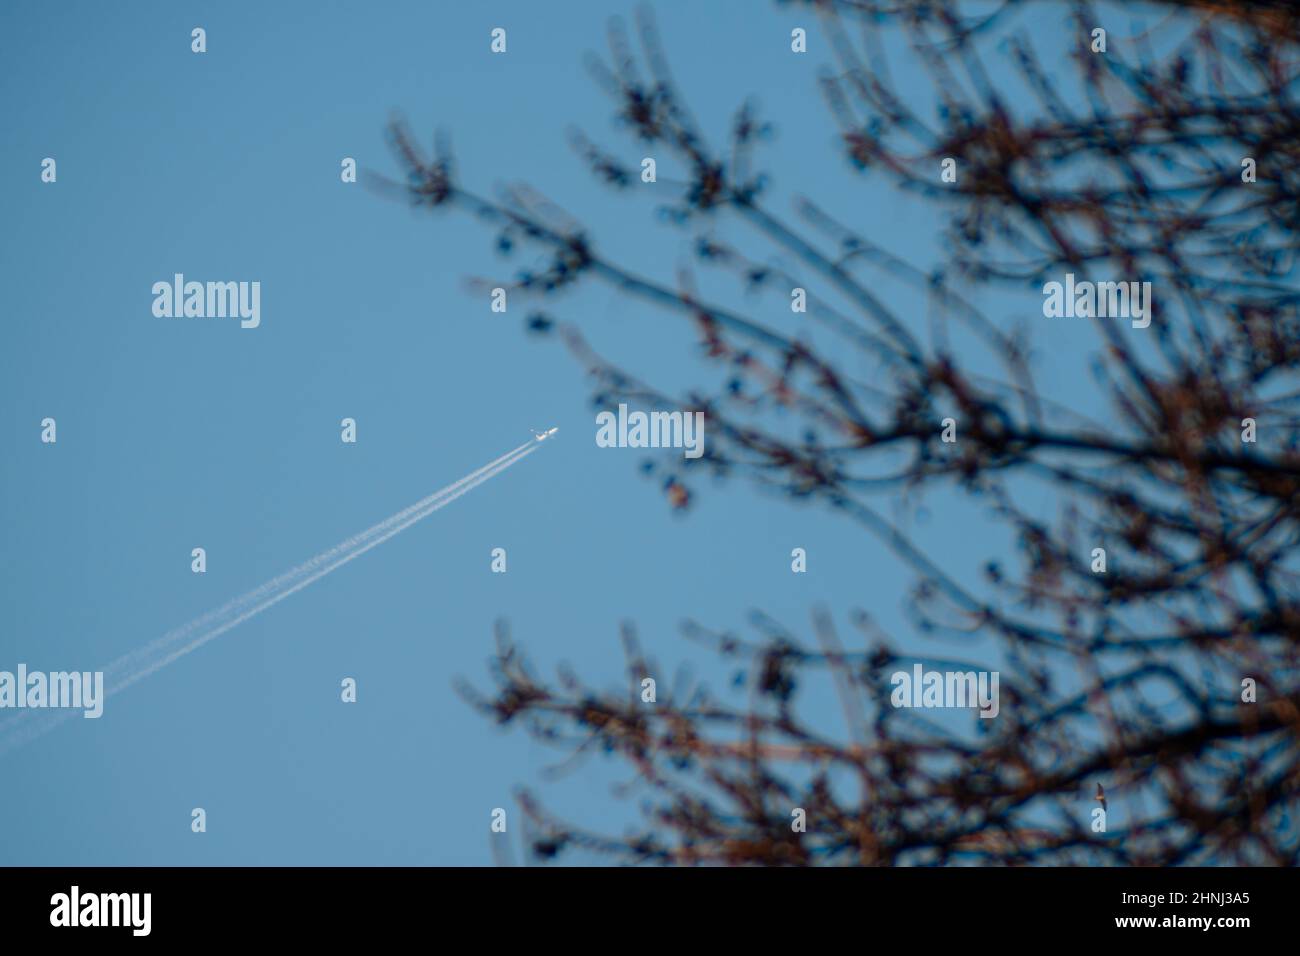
x,y
179,434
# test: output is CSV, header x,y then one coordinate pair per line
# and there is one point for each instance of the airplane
x,y
542,436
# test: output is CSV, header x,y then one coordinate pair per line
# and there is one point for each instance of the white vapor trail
x,y
288,577
142,662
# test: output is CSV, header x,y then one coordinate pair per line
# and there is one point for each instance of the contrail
x,y
288,577
139,664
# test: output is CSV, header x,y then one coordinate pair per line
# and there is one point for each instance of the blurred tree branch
x,y
1128,165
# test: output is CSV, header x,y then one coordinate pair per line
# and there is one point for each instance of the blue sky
x,y
174,434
